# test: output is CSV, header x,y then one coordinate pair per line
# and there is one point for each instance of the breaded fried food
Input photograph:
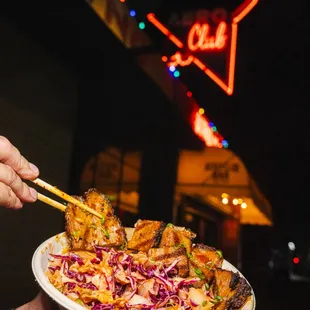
x,y
176,236
203,260
85,230
230,290
147,234
168,255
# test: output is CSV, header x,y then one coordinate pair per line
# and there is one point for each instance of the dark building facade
x,y
65,97
88,107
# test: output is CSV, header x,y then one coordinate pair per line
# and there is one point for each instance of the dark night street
x,y
272,294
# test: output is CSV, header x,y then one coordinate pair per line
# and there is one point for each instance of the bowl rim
x,y
66,302
43,281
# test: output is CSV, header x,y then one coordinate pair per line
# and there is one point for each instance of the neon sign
x,y
200,40
203,39
202,129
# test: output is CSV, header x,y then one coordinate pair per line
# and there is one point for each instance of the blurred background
x,y
192,113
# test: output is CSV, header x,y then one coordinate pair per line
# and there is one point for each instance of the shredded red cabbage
x,y
164,288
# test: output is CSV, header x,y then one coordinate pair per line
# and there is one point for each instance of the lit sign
x,y
202,129
220,172
210,42
199,38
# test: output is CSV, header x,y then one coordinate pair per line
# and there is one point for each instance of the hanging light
x,y
225,201
244,205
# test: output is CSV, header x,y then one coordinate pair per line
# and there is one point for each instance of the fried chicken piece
x,y
175,236
168,255
147,234
203,261
230,290
85,230
76,225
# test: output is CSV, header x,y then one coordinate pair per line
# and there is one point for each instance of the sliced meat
x,y
107,231
76,224
147,234
230,290
168,255
203,261
176,236
86,230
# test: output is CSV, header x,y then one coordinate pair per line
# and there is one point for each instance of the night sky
x,y
265,121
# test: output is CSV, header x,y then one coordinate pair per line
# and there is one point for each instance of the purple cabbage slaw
x,y
165,290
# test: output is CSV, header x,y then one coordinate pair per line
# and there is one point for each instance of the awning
x,y
210,175
220,178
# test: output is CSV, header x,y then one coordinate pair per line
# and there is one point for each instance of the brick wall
x,y
38,97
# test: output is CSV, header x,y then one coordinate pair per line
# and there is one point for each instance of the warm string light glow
x,y
225,201
244,205
199,39
235,201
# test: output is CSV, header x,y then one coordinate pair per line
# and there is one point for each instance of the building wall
x,y
38,97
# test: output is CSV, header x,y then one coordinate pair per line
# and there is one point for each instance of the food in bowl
x,y
153,266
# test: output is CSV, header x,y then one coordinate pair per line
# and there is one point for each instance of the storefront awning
x,y
220,178
217,177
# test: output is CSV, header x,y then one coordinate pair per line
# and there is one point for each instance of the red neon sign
x,y
200,39
202,129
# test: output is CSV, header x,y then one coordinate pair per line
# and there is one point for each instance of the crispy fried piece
x,y
203,261
231,291
168,255
147,234
107,231
76,224
86,230
175,236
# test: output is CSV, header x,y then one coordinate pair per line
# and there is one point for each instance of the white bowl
x,y
55,245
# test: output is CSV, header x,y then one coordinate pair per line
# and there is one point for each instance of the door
x,y
203,220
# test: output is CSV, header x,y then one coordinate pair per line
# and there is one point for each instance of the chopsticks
x,y
62,195
52,202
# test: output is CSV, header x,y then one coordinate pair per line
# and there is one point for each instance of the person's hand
x,y
13,168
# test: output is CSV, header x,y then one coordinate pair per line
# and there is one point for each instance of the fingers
x,y
8,198
20,189
9,155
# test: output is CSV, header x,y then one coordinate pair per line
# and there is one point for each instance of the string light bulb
x,y
142,25
225,201
235,201
225,144
172,68
244,205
